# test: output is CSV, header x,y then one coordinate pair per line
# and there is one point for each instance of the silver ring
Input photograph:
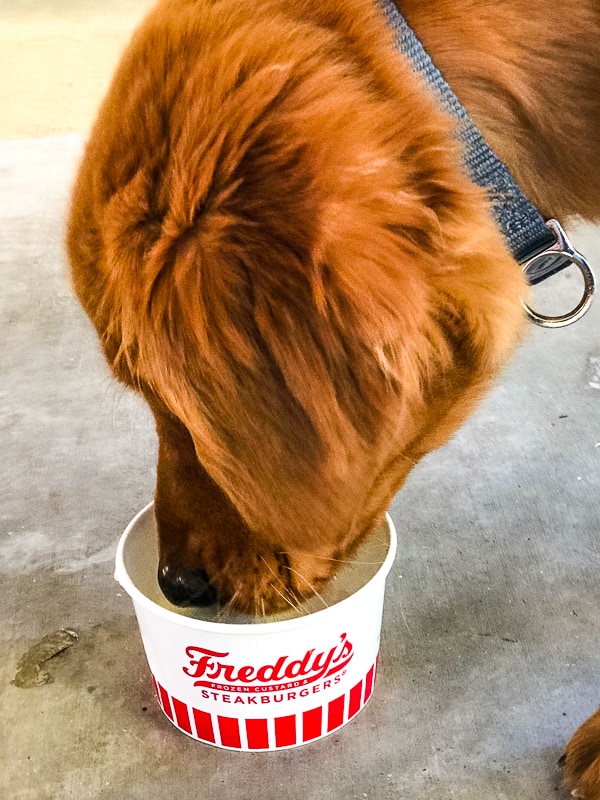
x,y
564,248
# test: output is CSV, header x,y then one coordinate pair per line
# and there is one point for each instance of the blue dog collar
x,y
540,246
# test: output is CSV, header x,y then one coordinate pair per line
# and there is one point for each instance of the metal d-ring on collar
x,y
541,247
562,248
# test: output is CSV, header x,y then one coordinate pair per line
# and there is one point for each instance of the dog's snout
x,y
183,586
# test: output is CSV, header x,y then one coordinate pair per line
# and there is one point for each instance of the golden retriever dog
x,y
276,242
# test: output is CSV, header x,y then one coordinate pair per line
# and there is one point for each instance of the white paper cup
x,y
260,685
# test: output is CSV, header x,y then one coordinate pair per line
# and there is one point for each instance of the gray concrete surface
x,y
491,639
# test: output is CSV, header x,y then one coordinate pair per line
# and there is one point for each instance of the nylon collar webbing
x,y
524,228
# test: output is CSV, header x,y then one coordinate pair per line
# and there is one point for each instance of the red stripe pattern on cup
x,y
261,734
229,729
258,734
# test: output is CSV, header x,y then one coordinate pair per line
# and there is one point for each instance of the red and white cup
x,y
259,685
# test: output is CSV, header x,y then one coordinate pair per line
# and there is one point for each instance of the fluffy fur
x,y
273,237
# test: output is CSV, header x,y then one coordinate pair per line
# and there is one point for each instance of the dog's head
x,y
291,266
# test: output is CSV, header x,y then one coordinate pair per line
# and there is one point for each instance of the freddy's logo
x,y
210,669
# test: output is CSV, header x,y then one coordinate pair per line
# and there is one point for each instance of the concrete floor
x,y
491,637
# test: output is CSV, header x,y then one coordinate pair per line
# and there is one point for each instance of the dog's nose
x,y
186,587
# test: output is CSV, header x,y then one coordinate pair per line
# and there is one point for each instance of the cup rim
x,y
236,628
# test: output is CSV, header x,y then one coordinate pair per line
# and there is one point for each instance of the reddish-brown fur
x,y
273,237
581,762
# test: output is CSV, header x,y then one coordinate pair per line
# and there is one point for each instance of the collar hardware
x,y
561,249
